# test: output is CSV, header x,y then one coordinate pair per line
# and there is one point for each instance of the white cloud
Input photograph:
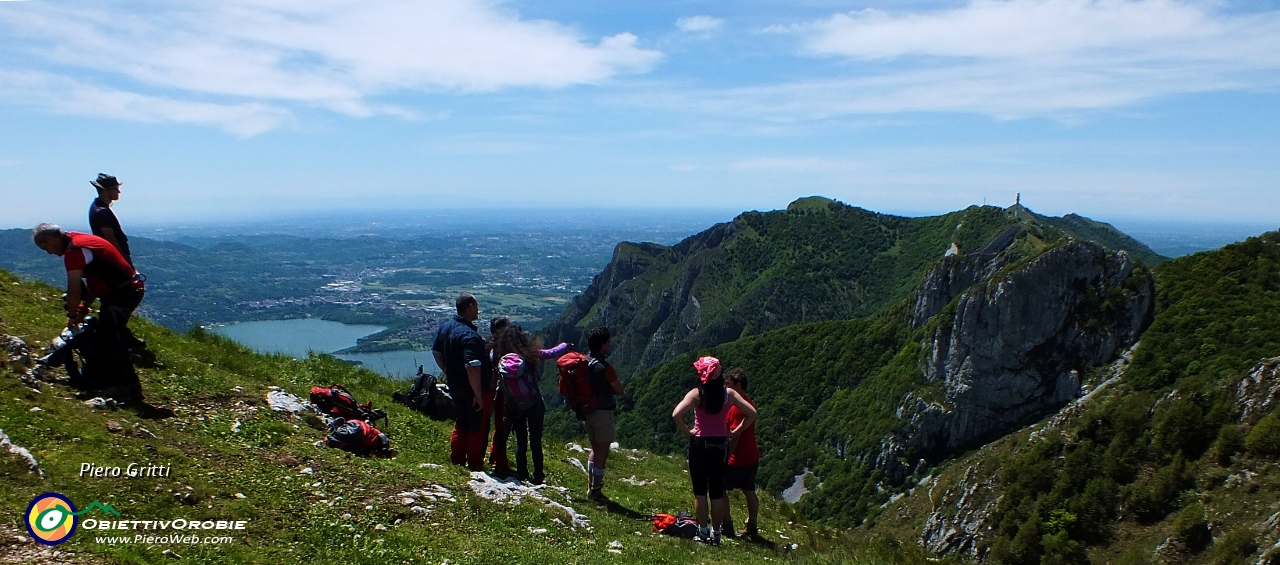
x,y
1020,29
67,96
698,24
334,54
1013,58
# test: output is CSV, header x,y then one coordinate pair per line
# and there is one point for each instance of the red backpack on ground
x,y
575,382
337,401
682,526
358,437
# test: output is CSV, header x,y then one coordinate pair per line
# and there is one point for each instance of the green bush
x,y
1060,549
1024,548
1231,440
1152,499
1192,528
1264,439
1182,427
1234,547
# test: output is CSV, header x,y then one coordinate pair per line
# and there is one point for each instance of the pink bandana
x,y
708,368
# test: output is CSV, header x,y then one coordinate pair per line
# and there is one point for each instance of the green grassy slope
x,y
1163,454
345,512
1102,233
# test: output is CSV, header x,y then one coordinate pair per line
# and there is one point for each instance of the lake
x,y
299,337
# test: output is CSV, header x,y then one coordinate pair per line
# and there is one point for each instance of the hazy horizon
x,y
1167,236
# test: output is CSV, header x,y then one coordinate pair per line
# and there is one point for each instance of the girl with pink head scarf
x,y
709,441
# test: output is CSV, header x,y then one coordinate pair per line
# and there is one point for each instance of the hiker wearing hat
x,y
709,442
102,221
95,269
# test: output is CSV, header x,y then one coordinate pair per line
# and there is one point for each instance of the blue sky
x,y
1158,109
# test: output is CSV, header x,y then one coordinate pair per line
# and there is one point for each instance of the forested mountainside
x,y
817,260
1172,458
988,342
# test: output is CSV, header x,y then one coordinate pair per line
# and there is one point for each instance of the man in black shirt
x,y
104,224
461,354
102,220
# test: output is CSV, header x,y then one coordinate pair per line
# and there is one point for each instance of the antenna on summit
x,y
1017,200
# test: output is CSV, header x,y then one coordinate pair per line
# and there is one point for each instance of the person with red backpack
x,y
598,417
460,352
744,460
709,442
97,270
520,370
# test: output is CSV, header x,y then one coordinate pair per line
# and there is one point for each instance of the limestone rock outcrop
x,y
1011,348
1259,392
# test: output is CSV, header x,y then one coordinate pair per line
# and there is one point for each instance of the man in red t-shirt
x,y
744,458
97,270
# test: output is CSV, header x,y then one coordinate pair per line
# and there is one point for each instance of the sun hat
x,y
105,182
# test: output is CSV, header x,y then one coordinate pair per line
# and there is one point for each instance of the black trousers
x,y
527,426
111,339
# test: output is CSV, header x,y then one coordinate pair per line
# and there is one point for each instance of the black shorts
x,y
707,457
743,478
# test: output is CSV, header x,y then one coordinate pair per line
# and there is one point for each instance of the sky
x,y
220,111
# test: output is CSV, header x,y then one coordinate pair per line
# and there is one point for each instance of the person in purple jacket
x,y
527,424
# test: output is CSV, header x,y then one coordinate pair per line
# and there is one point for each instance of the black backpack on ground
x,y
429,396
358,437
89,372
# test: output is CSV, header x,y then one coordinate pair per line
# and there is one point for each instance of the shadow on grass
x,y
150,412
758,541
613,507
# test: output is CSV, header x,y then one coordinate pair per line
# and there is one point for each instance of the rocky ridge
x,y
818,260
961,509
1011,348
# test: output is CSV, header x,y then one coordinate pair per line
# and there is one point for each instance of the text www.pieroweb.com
x,y
174,539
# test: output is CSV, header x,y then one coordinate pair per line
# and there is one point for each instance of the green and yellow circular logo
x,y
51,518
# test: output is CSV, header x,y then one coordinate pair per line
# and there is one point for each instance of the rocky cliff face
x,y
1011,348
1259,392
961,509
956,273
651,323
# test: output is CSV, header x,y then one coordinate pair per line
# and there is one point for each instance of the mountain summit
x,y
818,259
